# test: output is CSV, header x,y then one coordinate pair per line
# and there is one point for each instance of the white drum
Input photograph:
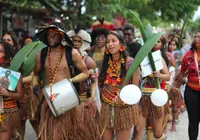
x,y
66,97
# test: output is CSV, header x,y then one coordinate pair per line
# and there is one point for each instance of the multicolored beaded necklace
x,y
113,74
52,76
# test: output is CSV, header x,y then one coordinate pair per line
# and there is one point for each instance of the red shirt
x,y
188,64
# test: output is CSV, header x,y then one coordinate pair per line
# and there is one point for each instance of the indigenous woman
x,y
99,31
10,118
153,115
190,68
86,89
115,115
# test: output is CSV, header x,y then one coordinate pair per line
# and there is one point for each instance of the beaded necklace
x,y
52,76
113,74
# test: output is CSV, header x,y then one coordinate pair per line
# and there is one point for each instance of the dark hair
x,y
8,50
129,27
119,34
193,47
163,52
170,43
104,67
14,39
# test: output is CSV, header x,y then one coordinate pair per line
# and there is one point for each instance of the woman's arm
x,y
162,74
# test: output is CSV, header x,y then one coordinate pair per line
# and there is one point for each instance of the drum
x,y
66,97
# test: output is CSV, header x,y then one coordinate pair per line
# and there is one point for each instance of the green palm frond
x,y
29,63
24,60
150,40
148,30
143,52
19,58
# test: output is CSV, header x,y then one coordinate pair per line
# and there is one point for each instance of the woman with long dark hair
x,y
10,118
11,38
115,115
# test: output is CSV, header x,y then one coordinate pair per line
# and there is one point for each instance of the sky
x,y
197,14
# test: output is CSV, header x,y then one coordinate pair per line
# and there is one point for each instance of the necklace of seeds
x,y
52,76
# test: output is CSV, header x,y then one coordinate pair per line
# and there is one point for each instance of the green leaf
x,y
19,58
139,23
145,36
148,30
181,35
143,52
29,63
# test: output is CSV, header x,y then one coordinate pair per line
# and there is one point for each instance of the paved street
x,y
181,133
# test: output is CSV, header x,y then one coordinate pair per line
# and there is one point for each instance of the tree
x,y
155,11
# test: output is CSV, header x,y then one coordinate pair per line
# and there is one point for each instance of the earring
x,y
122,48
107,52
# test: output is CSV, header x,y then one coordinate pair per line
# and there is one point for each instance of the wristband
x,y
70,80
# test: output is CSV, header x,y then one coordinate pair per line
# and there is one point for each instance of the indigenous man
x,y
82,40
55,68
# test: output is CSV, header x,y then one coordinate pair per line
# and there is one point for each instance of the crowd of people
x,y
95,65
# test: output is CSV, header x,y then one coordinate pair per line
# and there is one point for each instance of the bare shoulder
x,y
129,60
37,62
89,62
38,55
75,52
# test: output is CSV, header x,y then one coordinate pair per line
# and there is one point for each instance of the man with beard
x,y
52,66
132,46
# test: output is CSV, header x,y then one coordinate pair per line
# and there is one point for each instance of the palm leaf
x,y
29,63
139,24
19,58
148,30
143,52
181,35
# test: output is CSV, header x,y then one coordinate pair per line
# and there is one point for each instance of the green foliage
x,y
143,52
194,26
24,60
150,41
150,11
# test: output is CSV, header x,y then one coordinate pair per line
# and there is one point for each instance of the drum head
x,y
66,97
